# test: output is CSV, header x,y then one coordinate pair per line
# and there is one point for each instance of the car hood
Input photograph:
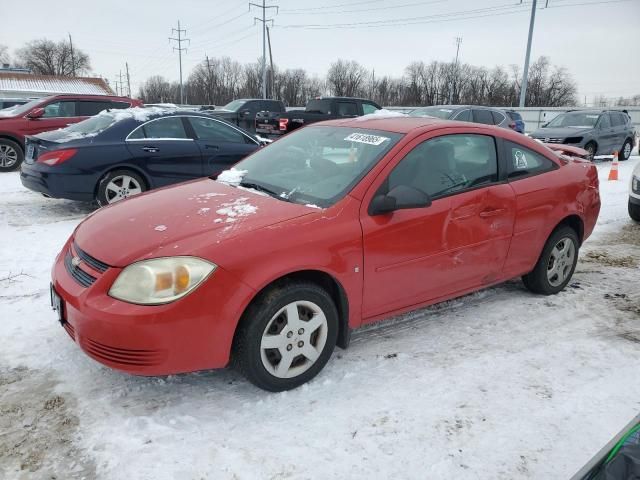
x,y
560,132
188,219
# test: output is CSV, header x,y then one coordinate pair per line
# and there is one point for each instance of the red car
x,y
334,226
46,114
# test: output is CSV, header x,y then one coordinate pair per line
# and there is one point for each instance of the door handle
x,y
151,149
492,212
212,147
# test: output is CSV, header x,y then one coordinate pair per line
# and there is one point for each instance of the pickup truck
x,y
242,112
317,110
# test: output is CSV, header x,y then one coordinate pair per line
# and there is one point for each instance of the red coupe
x,y
332,227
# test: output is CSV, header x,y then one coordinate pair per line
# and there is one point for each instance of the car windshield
x,y
19,109
438,112
234,106
575,119
316,165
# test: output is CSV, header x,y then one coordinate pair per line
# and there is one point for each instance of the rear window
x,y
319,106
514,115
438,112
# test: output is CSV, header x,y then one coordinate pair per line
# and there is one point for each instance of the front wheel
x,y
556,264
625,151
118,185
286,336
634,211
11,155
591,150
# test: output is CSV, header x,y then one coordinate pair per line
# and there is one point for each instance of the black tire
x,y
8,146
625,156
591,149
247,343
103,198
634,212
537,280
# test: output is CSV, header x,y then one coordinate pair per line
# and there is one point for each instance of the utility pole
x,y
128,80
116,82
73,61
180,39
455,69
525,74
271,62
264,21
121,84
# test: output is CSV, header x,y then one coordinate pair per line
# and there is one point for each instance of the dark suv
x,y
46,114
599,132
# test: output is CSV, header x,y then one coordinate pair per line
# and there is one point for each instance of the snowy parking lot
x,y
500,384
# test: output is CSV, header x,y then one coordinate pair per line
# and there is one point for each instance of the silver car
x,y
467,113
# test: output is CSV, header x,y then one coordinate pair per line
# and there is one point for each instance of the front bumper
x,y
41,179
192,333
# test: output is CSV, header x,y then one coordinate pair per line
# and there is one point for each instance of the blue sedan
x,y
121,153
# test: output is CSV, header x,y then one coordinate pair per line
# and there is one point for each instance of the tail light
x,y
57,156
283,123
512,125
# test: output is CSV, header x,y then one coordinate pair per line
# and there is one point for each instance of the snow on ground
x,y
500,384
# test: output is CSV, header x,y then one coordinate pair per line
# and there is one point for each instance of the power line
x,y
333,6
180,50
389,7
264,21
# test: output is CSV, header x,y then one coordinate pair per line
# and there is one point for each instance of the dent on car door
x,y
164,149
459,242
221,145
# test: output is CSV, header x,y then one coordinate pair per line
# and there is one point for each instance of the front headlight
x,y
160,280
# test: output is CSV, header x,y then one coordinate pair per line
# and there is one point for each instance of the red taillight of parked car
x,y
283,123
57,157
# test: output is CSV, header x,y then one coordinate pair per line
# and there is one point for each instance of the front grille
x,y
550,140
79,275
94,263
123,356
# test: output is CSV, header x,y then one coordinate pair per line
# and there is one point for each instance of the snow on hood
x,y
232,177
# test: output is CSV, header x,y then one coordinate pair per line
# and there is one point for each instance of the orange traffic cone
x,y
613,173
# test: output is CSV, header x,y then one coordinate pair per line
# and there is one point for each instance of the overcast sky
x,y
596,40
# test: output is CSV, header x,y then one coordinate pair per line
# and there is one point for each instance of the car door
x,y
606,135
164,148
221,144
459,242
57,114
619,125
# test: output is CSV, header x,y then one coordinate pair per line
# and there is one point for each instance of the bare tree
x,y
46,57
346,78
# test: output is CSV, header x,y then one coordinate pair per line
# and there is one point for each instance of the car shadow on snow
x,y
27,208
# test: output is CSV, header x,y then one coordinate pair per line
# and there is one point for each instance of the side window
x,y
448,164
498,118
618,119
464,116
367,108
169,127
60,109
207,129
137,134
346,109
118,105
89,109
603,121
253,107
483,116
522,161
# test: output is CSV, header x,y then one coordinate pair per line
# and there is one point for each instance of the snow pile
x,y
232,177
263,139
235,209
382,113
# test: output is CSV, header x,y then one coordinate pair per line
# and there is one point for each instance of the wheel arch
x,y
574,222
134,169
6,136
320,278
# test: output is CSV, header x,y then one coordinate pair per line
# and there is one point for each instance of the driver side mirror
x,y
544,125
399,198
36,113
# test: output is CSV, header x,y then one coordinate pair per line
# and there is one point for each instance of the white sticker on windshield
x,y
519,160
366,138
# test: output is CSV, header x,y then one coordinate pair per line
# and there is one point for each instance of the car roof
x,y
80,96
396,124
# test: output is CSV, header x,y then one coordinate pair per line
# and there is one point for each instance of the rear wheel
x,y
287,336
591,149
11,155
556,264
625,151
634,211
118,185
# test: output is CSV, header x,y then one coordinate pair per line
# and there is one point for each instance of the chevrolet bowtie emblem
x,y
75,261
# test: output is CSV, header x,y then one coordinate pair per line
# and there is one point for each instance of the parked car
x,y
12,102
634,194
46,114
332,227
319,109
467,113
599,132
517,120
122,153
243,112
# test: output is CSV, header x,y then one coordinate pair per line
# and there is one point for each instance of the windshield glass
x,y
316,165
438,112
19,109
575,119
234,106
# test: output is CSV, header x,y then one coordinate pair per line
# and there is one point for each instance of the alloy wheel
x,y
121,187
560,261
8,156
627,150
293,339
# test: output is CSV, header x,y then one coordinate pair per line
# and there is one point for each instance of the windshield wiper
x,y
262,188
